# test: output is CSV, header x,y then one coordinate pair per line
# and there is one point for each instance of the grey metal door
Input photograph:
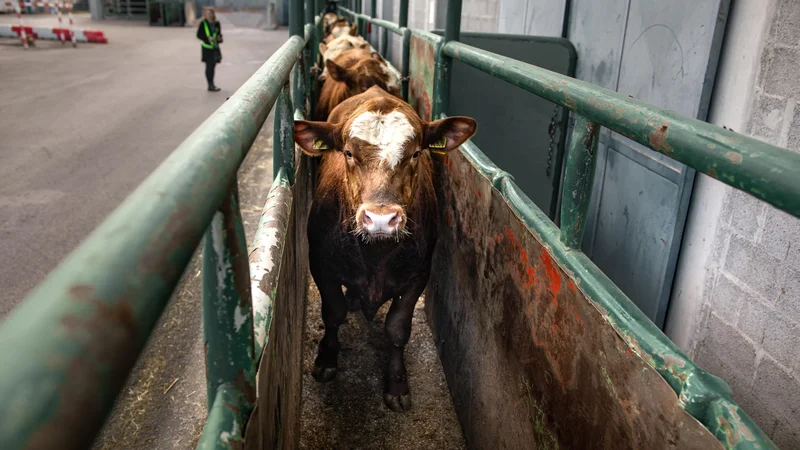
x,y
664,53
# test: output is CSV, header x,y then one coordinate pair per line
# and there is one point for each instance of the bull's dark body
x,y
375,272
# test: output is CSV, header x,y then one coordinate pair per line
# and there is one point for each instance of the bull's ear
x,y
314,138
377,56
354,29
322,48
448,134
336,71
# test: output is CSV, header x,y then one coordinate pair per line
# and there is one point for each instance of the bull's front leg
x,y
334,312
397,395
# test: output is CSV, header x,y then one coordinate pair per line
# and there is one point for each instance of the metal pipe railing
x,y
760,169
70,345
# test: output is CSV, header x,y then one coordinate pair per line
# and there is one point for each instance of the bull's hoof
x,y
397,403
324,374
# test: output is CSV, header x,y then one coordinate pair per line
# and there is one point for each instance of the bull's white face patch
x,y
389,132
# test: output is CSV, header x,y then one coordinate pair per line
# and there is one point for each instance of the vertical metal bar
x,y
373,8
296,18
567,14
578,181
452,32
452,28
406,60
227,304
309,12
283,135
403,20
308,52
384,42
224,428
298,85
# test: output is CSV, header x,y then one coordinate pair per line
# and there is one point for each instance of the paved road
x,y
83,127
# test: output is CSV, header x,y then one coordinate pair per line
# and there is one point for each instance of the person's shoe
x,y
213,88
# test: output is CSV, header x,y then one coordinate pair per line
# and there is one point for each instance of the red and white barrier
x,y
26,34
16,31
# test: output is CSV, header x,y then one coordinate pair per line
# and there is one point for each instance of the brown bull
x,y
373,221
351,73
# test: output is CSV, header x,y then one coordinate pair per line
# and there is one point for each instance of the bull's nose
x,y
381,223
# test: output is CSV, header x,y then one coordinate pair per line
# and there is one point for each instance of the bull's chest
x,y
381,271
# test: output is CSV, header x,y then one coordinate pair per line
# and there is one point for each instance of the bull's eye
x,y
348,154
415,155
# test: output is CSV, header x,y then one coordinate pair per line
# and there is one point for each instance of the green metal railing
x,y
68,348
70,345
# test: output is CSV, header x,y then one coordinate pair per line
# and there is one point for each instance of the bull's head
x,y
363,75
383,147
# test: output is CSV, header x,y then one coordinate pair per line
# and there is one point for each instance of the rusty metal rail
x,y
68,348
758,168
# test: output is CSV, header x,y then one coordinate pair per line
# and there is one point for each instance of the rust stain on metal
x,y
108,344
658,138
675,367
734,157
711,172
732,437
178,231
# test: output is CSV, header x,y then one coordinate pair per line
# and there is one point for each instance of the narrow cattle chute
x,y
520,341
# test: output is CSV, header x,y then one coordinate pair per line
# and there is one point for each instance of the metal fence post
x,y
403,19
283,135
227,306
578,181
308,54
406,58
296,18
452,32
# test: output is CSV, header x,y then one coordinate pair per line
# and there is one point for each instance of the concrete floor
x,y
81,128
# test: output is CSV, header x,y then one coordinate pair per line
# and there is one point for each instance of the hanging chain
x,y
552,130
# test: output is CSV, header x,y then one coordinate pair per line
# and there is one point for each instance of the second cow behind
x,y
350,73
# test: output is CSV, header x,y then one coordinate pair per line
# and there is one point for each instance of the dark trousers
x,y
210,72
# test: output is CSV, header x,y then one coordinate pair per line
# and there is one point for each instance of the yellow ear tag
x,y
441,143
319,144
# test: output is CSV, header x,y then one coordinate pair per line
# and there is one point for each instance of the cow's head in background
x,y
362,75
385,148
341,28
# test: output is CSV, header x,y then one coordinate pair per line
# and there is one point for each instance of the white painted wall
x,y
531,17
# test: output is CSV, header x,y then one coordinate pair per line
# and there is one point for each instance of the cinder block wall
x,y
749,333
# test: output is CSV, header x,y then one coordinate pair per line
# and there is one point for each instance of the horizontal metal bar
x,y
394,28
765,171
68,348
225,426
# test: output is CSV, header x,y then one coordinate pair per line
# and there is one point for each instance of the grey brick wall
x,y
480,15
750,332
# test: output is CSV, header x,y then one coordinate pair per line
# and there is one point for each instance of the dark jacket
x,y
210,54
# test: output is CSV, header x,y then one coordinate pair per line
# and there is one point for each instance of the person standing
x,y
210,33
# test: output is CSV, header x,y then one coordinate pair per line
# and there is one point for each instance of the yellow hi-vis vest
x,y
214,44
